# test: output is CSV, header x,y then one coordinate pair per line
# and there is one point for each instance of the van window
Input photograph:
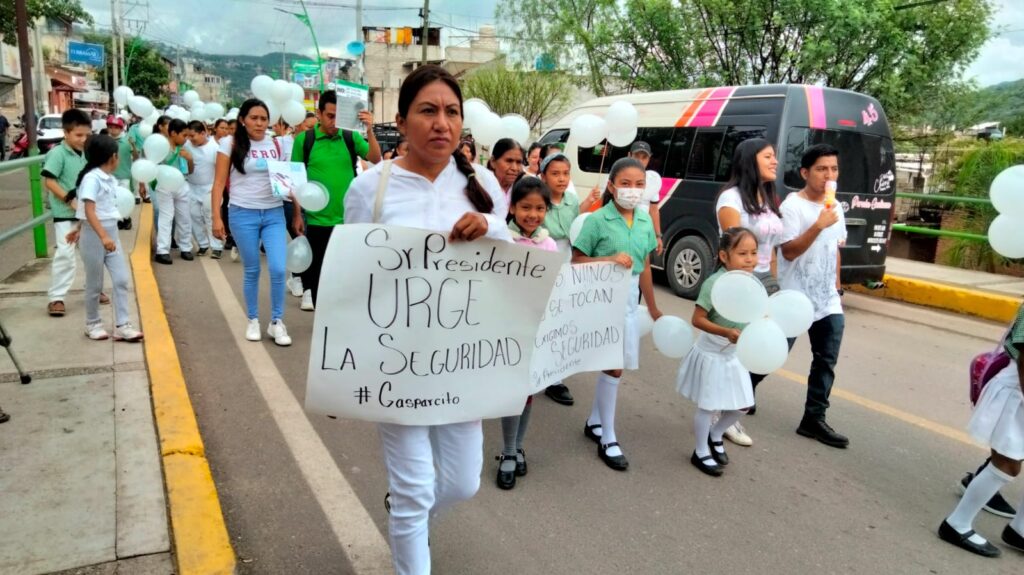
x,y
556,137
600,157
733,136
660,140
704,155
864,159
679,153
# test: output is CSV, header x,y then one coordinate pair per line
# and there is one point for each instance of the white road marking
x,y
364,546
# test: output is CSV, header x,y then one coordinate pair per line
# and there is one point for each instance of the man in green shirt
x,y
125,156
60,176
329,160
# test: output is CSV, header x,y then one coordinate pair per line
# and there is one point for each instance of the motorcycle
x,y
20,147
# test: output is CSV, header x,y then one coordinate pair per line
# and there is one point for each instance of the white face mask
x,y
629,198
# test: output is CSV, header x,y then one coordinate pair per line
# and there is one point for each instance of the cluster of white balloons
x,y
618,126
284,99
1006,234
194,109
488,127
762,348
155,149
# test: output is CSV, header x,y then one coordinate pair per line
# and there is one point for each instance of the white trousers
x,y
202,221
64,262
175,212
430,468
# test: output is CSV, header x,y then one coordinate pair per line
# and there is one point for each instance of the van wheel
x,y
689,263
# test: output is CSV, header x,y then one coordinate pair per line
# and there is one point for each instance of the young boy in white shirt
x,y
200,182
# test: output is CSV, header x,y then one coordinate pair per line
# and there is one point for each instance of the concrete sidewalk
x,y
81,485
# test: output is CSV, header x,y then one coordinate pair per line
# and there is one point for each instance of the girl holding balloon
x,y
622,234
711,375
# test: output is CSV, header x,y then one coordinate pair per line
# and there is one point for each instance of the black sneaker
x,y
163,259
187,256
996,506
215,255
823,432
559,393
202,251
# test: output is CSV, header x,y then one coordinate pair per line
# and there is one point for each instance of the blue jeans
x,y
826,335
248,228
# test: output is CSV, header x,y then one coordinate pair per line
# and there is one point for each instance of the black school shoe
x,y
521,468
588,432
823,432
559,393
996,505
616,462
1013,539
720,458
163,259
712,470
963,541
202,251
506,479
187,256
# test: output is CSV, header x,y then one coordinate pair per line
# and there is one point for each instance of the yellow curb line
x,y
957,299
201,543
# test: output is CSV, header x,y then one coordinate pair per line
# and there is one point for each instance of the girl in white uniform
x,y
711,375
432,187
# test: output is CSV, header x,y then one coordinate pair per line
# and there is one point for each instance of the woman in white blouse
x,y
433,187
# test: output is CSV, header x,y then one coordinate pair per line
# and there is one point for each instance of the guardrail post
x,y
35,180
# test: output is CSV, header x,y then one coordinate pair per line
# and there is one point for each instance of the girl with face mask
x,y
619,233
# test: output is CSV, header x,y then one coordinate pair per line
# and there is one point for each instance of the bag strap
x,y
382,186
308,139
350,143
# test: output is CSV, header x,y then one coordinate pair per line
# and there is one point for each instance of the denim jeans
x,y
249,227
826,335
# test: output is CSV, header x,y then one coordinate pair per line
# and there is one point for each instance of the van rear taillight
x,y
848,123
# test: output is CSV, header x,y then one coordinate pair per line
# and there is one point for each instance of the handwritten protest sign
x,y
415,330
582,328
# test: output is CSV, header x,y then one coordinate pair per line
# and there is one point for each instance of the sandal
x,y
56,309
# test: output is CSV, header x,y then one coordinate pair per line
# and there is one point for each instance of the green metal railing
x,y
39,215
941,198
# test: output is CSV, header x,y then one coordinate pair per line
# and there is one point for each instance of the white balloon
x,y
152,118
1007,191
299,256
274,112
190,97
144,170
141,106
1006,236
487,130
473,110
214,111
125,201
145,130
516,127
293,113
588,130
621,138
232,114
169,178
156,148
198,110
281,92
577,226
792,310
762,347
312,196
739,297
122,94
261,86
644,321
621,117
653,188
672,336
298,92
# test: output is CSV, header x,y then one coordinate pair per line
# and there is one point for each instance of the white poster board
x,y
583,325
415,330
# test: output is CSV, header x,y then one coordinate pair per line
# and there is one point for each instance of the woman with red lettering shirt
x,y
256,214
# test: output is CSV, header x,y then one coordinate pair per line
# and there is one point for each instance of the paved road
x,y
786,505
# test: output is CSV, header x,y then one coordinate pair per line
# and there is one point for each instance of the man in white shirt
x,y
200,181
814,230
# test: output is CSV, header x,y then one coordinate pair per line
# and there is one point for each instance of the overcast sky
x,y
203,25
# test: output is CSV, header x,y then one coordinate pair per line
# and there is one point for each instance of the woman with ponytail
x,y
256,214
432,187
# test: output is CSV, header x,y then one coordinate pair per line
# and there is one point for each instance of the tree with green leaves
x,y
901,55
145,71
533,95
67,10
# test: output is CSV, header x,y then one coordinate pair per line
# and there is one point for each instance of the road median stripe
x,y
201,542
953,298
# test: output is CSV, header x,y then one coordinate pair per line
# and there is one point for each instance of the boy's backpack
x,y
984,367
310,138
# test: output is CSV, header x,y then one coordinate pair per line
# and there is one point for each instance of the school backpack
x,y
310,139
984,367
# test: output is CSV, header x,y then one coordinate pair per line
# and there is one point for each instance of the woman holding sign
x,y
622,234
434,187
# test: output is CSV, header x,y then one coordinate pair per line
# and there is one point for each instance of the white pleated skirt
x,y
712,376
998,419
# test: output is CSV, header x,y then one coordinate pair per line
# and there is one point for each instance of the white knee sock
x,y
726,421
982,488
604,400
701,430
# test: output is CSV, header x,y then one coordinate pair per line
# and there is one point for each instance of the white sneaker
x,y
96,332
307,301
738,435
128,333
234,254
252,331
277,331
295,286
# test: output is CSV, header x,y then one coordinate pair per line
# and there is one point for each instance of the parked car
x,y
49,132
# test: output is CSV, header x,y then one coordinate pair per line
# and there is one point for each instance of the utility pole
x,y
284,63
24,54
115,15
359,38
426,30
